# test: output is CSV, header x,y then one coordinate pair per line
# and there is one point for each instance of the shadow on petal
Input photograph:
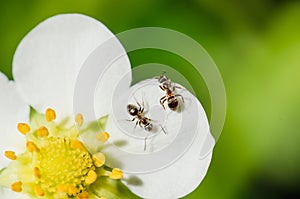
x,y
134,180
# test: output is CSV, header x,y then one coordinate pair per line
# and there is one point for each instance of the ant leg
x,y
162,128
143,105
159,76
175,86
136,125
147,118
140,107
162,88
178,95
131,120
178,87
140,124
162,101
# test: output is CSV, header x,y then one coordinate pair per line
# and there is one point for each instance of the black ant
x,y
142,121
137,113
170,97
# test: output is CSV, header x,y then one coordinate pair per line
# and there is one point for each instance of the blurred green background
x,y
255,44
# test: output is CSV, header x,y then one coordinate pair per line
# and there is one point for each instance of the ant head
x,y
163,77
132,109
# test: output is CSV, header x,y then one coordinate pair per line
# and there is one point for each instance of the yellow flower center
x,y
61,165
56,163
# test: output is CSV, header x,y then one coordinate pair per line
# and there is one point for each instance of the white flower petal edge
x,y
48,60
13,110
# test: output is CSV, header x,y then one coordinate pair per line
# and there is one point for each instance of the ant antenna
x,y
157,77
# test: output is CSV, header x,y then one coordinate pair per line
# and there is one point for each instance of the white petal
x,y
6,193
173,165
48,60
13,110
175,181
104,69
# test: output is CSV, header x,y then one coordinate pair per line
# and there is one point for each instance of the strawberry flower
x,y
43,152
58,153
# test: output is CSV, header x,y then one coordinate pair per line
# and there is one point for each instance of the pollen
x,y
71,190
65,166
79,119
17,187
31,147
50,115
116,174
102,137
10,155
36,172
39,191
99,159
23,128
43,132
76,144
91,177
83,195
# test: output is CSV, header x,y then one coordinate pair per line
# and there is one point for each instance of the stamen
x,y
72,190
76,144
23,128
102,136
10,154
38,191
79,119
17,186
31,147
50,115
62,167
43,132
36,172
116,174
91,177
83,195
99,159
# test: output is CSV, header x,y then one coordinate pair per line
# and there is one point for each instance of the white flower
x,y
51,161
45,69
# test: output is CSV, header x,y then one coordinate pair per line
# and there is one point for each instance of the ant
x,y
170,97
137,113
142,121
